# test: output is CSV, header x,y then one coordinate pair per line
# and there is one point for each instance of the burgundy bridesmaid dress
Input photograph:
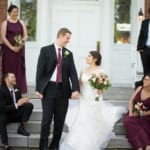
x,y
14,62
138,128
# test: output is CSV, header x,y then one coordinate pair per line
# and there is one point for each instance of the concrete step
x,y
35,127
15,140
119,129
31,126
36,114
34,124
119,141
116,93
37,102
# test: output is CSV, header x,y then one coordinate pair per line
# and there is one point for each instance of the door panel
x,y
84,22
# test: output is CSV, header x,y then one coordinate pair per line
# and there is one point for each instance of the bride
x,y
91,125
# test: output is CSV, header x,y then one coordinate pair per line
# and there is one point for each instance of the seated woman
x,y
137,120
90,124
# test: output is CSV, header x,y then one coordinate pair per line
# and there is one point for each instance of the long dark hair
x,y
96,55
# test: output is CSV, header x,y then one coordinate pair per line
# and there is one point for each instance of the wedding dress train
x,y
91,122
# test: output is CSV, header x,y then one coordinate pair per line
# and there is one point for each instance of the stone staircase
x,y
34,125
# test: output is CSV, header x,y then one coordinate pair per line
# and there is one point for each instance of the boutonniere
x,y
66,53
16,90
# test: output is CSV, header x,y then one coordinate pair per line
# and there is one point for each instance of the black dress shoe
x,y
6,147
22,131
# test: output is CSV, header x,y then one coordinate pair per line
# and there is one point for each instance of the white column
x,y
44,22
107,33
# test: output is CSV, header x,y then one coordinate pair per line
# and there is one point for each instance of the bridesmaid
x,y
137,120
14,36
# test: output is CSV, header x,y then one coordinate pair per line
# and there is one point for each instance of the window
x,y
122,25
28,12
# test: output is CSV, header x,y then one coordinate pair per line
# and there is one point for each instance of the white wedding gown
x,y
91,122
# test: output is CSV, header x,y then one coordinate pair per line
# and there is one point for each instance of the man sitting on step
x,y
13,108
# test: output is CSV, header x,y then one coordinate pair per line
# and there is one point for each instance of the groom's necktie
x,y
59,63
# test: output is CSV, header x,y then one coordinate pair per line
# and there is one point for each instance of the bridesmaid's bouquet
x,y
18,40
139,108
100,82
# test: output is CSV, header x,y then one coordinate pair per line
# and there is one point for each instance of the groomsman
x,y
56,82
143,47
13,108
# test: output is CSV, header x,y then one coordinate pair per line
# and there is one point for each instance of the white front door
x,y
84,22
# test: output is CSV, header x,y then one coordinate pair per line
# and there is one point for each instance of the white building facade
x,y
91,23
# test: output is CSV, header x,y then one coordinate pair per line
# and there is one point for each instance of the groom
x,y
55,70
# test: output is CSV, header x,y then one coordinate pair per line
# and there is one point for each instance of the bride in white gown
x,y
91,123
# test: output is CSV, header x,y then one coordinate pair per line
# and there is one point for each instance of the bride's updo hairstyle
x,y
96,55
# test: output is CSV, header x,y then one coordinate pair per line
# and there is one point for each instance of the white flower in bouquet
x,y
18,40
139,108
100,82
94,79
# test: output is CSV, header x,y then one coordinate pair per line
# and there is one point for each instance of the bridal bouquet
x,y
18,40
139,108
100,82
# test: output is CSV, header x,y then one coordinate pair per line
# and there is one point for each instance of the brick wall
x,y
147,9
3,15
3,11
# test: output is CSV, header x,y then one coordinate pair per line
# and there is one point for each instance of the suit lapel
x,y
8,93
53,52
63,50
52,58
63,57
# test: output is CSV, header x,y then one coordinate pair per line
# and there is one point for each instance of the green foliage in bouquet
x,y
18,40
100,81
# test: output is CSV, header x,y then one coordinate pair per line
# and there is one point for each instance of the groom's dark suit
x,y
142,45
55,100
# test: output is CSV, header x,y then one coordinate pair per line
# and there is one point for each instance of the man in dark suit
x,y
55,70
143,47
13,108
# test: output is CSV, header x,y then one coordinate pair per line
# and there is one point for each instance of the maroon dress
x,y
14,62
138,128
